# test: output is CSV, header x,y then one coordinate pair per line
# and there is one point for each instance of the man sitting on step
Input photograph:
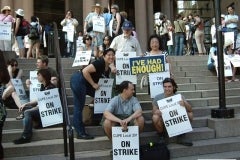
x,y
123,110
170,89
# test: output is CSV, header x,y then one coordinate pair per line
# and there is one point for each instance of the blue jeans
x,y
29,116
80,88
179,44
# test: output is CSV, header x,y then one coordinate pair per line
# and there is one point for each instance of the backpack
x,y
154,151
24,27
33,32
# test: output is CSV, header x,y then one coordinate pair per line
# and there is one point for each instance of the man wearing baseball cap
x,y
126,42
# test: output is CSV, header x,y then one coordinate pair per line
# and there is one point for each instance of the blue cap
x,y
127,25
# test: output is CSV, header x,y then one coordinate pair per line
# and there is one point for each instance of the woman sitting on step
x,y
229,52
14,73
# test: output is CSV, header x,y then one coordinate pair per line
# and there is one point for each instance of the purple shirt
x,y
4,18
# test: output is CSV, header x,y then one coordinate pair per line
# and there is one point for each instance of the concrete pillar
x,y
105,3
87,7
66,5
140,22
167,9
27,6
6,3
150,19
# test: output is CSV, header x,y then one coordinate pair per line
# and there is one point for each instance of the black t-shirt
x,y
100,70
50,86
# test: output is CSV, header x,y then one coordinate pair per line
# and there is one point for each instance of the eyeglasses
x,y
106,39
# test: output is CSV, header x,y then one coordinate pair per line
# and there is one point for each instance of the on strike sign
x,y
174,116
125,144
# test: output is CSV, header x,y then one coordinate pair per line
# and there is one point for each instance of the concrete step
x,y
195,102
234,155
17,125
53,146
202,149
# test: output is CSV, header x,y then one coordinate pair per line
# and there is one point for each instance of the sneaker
x,y
20,116
85,136
22,140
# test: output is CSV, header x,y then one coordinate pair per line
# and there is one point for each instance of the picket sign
x,y
98,24
70,32
103,95
235,60
82,58
227,67
174,116
5,31
156,79
50,107
125,144
34,86
18,86
123,67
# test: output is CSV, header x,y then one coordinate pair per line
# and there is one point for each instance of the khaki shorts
x,y
131,123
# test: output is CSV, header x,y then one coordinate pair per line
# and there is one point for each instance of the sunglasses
x,y
88,39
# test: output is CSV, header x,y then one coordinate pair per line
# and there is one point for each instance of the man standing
x,y
124,109
126,42
170,89
231,22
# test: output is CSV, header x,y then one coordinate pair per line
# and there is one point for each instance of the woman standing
x,y
14,72
116,21
5,16
199,35
69,24
19,32
90,20
85,83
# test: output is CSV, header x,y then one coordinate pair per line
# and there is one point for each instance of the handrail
x,y
67,127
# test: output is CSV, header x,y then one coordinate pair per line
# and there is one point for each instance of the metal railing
x,y
67,127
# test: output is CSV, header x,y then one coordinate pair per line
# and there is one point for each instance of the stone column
x,y
6,3
66,5
27,6
104,3
87,7
150,19
140,22
167,9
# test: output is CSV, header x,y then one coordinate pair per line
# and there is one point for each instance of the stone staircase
x,y
212,138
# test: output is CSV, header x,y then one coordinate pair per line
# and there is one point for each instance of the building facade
x,y
140,12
